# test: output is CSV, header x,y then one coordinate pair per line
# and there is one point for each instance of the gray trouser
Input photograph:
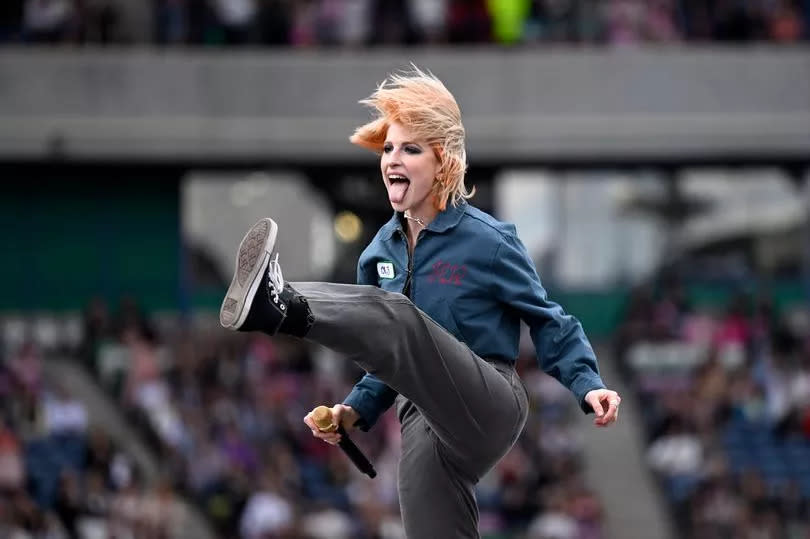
x,y
460,414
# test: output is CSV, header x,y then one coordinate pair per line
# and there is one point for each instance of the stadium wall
x,y
523,105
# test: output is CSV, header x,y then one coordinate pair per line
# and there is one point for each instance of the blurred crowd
x,y
60,477
725,396
304,23
224,413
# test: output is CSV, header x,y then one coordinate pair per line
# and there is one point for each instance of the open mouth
x,y
397,187
398,178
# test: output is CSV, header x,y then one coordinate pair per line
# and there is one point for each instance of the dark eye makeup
x,y
410,148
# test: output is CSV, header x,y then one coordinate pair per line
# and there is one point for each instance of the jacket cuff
x,y
364,407
582,385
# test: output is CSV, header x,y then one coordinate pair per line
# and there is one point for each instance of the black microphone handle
x,y
354,454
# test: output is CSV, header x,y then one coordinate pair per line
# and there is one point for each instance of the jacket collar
x,y
443,222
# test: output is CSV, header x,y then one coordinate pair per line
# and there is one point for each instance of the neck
x,y
415,222
421,216
412,229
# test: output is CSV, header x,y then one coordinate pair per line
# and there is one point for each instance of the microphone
x,y
323,420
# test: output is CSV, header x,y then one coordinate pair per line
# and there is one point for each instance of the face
x,y
409,167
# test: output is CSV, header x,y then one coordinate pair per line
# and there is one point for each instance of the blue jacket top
x,y
472,275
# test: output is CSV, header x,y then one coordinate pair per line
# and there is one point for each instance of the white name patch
x,y
385,270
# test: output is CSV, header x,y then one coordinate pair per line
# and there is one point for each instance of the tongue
x,y
396,191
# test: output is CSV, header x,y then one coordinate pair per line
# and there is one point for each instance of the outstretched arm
x,y
563,350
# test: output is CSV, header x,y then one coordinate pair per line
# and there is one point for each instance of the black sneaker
x,y
254,300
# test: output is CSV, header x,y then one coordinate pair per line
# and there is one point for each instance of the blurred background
x,y
654,155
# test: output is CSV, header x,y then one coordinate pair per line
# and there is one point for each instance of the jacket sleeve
x,y
370,397
563,350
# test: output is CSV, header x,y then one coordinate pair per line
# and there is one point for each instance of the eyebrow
x,y
404,142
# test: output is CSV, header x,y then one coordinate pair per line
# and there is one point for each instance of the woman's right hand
x,y
341,415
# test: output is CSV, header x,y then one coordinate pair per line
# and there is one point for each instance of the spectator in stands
x,y
97,21
509,19
392,23
556,20
590,23
785,23
556,522
64,414
127,511
144,386
171,21
100,455
304,15
97,329
468,22
95,506
161,515
236,20
327,523
659,22
27,521
130,317
678,452
275,21
69,502
733,334
199,26
738,21
430,19
205,467
355,19
49,21
266,512
26,366
11,16
696,19
12,471
330,20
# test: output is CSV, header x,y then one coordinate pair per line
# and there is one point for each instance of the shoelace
x,y
275,280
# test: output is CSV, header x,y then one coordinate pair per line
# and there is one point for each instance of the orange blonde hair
x,y
420,101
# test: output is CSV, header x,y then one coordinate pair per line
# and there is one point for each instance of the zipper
x,y
406,290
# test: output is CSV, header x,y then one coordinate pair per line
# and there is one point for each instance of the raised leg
x,y
475,410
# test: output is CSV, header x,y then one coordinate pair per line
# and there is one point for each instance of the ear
x,y
437,170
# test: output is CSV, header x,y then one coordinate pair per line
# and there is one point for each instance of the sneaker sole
x,y
251,259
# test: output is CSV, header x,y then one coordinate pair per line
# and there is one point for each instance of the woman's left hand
x,y
605,404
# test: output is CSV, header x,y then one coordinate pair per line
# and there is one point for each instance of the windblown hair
x,y
420,102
